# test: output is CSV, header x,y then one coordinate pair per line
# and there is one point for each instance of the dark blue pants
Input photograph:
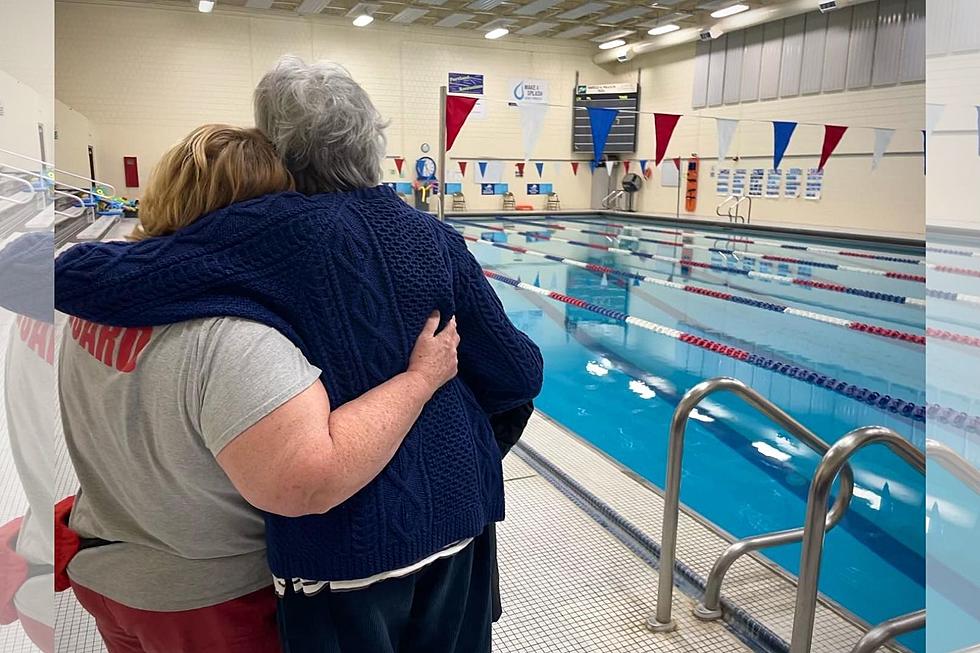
x,y
442,608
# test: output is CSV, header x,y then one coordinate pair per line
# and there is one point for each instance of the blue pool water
x,y
617,387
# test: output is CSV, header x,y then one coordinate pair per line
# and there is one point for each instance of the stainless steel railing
x,y
733,215
815,528
889,630
967,474
662,621
724,204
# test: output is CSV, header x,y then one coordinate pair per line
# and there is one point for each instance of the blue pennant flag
x,y
540,166
537,280
483,168
601,121
643,166
782,132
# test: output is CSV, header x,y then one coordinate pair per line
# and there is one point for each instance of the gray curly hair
x,y
323,124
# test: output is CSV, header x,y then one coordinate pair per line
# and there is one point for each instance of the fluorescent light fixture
x,y
496,33
205,6
609,45
663,29
729,11
363,20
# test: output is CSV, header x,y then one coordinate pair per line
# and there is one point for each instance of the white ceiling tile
x,y
535,28
536,7
484,5
583,10
259,4
454,20
609,36
408,15
620,16
312,6
576,32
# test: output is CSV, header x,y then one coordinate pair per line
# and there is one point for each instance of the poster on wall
x,y
738,181
794,180
814,184
493,189
755,182
527,90
723,183
538,189
469,84
669,174
774,182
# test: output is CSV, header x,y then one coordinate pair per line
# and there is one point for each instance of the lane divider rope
x,y
809,283
918,278
716,294
760,241
867,396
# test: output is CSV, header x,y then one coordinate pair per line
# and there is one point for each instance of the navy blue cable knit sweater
x,y
350,278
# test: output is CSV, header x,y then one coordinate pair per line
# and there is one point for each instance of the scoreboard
x,y
622,136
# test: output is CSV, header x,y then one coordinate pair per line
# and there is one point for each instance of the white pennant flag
x,y
883,137
532,119
726,131
609,167
556,169
933,113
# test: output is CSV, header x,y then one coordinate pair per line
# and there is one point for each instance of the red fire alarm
x,y
132,172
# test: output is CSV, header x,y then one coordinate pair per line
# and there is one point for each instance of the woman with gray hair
x,y
349,273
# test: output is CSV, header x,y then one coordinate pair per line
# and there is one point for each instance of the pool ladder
x,y
819,519
731,204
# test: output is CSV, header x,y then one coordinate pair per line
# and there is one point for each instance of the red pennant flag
x,y
458,110
831,137
520,169
399,162
626,166
677,162
575,168
663,125
462,168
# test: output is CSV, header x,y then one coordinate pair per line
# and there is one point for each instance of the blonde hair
x,y
212,167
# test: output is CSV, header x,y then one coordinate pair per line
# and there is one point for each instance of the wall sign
x,y
738,181
755,182
469,84
794,180
774,182
538,189
528,90
723,182
814,184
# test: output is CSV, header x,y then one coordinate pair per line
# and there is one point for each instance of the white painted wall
x,y
167,70
889,200
75,133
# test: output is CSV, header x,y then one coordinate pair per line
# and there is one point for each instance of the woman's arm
x,y
303,458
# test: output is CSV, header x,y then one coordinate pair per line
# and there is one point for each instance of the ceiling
x,y
581,20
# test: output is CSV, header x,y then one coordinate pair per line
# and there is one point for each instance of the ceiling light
x,y
363,20
205,6
609,45
663,29
729,11
496,33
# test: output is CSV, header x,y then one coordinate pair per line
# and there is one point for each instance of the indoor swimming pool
x,y
831,331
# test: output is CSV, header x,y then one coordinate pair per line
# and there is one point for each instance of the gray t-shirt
x,y
145,412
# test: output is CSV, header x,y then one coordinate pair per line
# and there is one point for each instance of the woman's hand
x,y
434,356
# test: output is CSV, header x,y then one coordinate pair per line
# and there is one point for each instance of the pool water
x,y
616,385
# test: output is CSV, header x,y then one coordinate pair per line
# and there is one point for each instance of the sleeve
x,y
247,370
499,363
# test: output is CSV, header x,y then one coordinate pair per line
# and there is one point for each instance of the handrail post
x,y
889,630
814,528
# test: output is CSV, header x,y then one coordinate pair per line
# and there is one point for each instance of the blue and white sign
x,y
814,184
794,180
527,91
774,182
723,182
738,181
755,182
493,189
538,189
466,83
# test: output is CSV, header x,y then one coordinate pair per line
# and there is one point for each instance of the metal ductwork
x,y
722,26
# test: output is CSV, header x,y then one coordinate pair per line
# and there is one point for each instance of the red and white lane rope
x,y
767,243
809,283
864,395
917,278
715,294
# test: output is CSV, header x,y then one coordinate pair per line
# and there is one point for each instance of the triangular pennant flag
x,y
458,109
626,166
575,168
882,139
399,162
663,125
520,169
831,137
600,121
609,166
462,168
934,112
604,282
537,280
540,166
677,162
726,131
532,119
556,169
483,168
643,166
781,132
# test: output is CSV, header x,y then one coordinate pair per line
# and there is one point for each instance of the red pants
x,y
243,625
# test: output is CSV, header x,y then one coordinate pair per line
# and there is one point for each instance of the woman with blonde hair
x,y
173,426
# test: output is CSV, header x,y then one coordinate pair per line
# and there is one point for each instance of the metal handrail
x,y
816,516
30,189
723,203
889,630
661,621
76,198
733,215
95,182
613,196
955,464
